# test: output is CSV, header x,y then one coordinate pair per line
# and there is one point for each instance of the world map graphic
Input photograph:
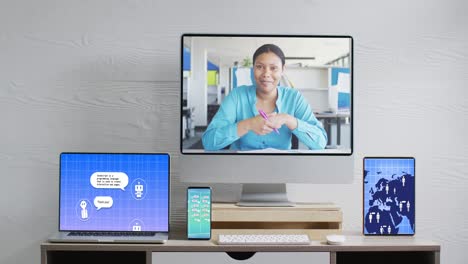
x,y
389,199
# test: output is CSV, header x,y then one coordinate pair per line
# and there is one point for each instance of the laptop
x,y
113,198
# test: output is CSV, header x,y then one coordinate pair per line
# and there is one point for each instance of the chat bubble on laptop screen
x,y
114,192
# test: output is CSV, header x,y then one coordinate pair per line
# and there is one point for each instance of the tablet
x,y
389,196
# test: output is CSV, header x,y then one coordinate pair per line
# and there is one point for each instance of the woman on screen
x,y
264,115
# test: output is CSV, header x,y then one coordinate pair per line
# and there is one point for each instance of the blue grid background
x,y
387,167
151,212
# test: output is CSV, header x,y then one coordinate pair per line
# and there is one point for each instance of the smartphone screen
x,y
199,213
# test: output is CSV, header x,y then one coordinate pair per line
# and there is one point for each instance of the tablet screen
x,y
389,196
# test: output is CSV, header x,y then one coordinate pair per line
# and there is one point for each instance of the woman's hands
x,y
262,127
257,124
278,120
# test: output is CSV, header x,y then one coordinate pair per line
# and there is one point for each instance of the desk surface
x,y
353,243
272,151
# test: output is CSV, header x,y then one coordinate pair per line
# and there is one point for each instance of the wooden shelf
x,y
311,89
316,219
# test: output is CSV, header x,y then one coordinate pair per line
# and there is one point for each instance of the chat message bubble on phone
x,y
109,180
103,202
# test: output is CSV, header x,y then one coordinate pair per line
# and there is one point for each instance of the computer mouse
x,y
335,239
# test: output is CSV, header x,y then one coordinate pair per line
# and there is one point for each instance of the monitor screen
x,y
268,94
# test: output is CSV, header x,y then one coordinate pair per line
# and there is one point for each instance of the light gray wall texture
x,y
104,76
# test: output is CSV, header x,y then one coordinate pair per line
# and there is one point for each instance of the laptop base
x,y
63,237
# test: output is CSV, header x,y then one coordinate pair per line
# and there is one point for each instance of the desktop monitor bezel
x,y
267,36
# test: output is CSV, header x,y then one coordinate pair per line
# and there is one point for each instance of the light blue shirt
x,y
240,104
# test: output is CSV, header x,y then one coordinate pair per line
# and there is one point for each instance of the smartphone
x,y
199,213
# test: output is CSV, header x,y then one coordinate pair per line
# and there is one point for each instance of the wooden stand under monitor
x,y
315,219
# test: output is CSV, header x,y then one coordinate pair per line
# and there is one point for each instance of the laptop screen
x,y
114,192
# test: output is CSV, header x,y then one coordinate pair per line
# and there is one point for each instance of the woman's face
x,y
267,71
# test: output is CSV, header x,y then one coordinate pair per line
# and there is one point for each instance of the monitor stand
x,y
264,195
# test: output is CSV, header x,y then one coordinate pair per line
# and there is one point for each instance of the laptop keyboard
x,y
116,234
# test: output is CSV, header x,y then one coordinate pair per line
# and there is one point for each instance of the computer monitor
x,y
266,110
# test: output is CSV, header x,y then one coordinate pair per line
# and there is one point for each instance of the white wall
x,y
104,76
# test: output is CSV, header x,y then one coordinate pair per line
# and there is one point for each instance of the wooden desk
x,y
356,249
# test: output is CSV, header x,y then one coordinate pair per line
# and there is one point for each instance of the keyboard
x,y
263,239
88,233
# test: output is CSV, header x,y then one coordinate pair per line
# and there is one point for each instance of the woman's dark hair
x,y
269,48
